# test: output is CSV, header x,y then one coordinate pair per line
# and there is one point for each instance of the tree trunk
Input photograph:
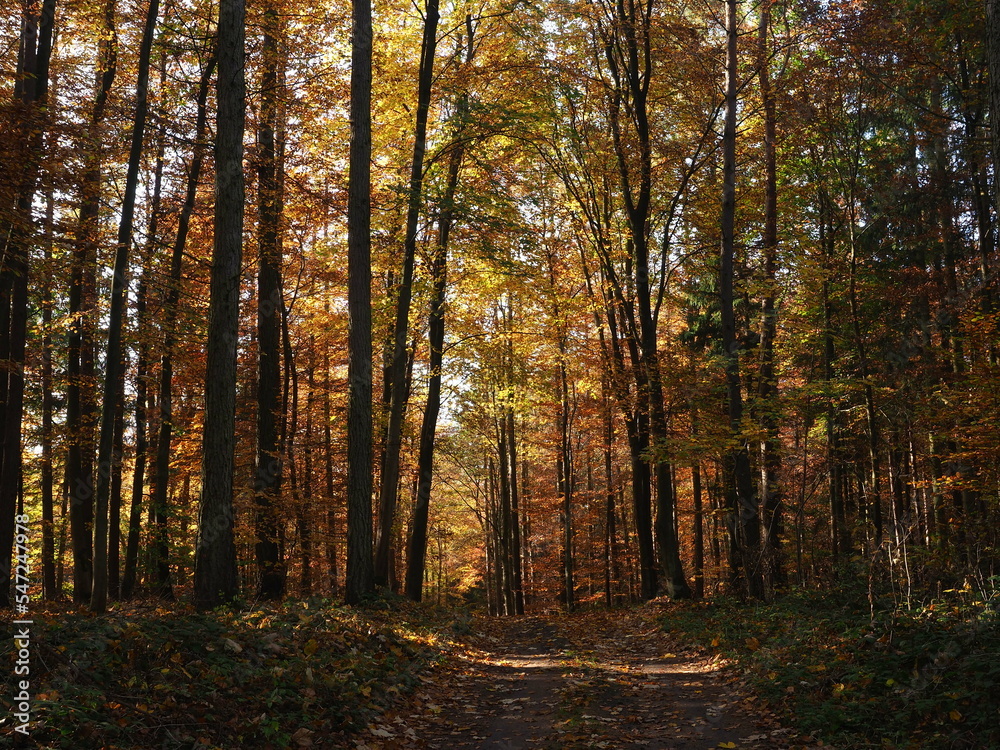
x,y
993,63
360,579
270,304
32,90
81,408
215,575
417,545
767,392
744,502
399,394
331,512
113,369
49,590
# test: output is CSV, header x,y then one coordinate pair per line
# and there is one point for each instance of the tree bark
x,y
417,544
744,501
767,392
270,304
215,575
81,408
113,369
360,574
31,88
398,393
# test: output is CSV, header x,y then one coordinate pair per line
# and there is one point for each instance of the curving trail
x,y
596,680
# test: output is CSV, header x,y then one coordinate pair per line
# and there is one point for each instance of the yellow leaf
x,y
310,648
715,641
727,744
955,715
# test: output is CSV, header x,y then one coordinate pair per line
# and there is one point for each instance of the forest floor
x,y
812,669
591,680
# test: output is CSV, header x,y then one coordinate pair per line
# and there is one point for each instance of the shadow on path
x,y
598,680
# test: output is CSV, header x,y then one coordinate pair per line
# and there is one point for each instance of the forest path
x,y
594,680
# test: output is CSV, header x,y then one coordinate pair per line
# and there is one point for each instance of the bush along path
x,y
596,680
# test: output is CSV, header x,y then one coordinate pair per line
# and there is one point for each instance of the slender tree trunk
x,y
630,62
306,508
360,579
389,487
993,64
115,498
81,408
767,392
141,446
331,512
49,590
215,575
417,545
839,532
746,521
113,369
269,309
517,584
159,500
32,90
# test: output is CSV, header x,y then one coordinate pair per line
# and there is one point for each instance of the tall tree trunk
x,y
113,365
767,391
331,511
159,499
142,364
417,543
270,304
49,590
993,64
306,509
141,443
630,61
32,90
744,502
389,487
215,575
115,498
517,575
81,409
360,578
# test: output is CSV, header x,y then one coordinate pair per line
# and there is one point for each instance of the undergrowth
x,y
293,675
924,677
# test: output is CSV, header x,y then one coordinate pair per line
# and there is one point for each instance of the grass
x,y
926,677
290,675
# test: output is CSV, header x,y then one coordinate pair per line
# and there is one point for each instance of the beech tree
x,y
215,565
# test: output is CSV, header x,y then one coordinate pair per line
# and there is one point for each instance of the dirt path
x,y
601,680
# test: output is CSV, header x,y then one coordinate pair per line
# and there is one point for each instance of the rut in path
x,y
600,680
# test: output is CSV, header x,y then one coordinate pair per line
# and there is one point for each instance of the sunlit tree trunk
x,y
417,544
398,392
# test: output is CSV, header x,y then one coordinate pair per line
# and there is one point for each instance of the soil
x,y
596,680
